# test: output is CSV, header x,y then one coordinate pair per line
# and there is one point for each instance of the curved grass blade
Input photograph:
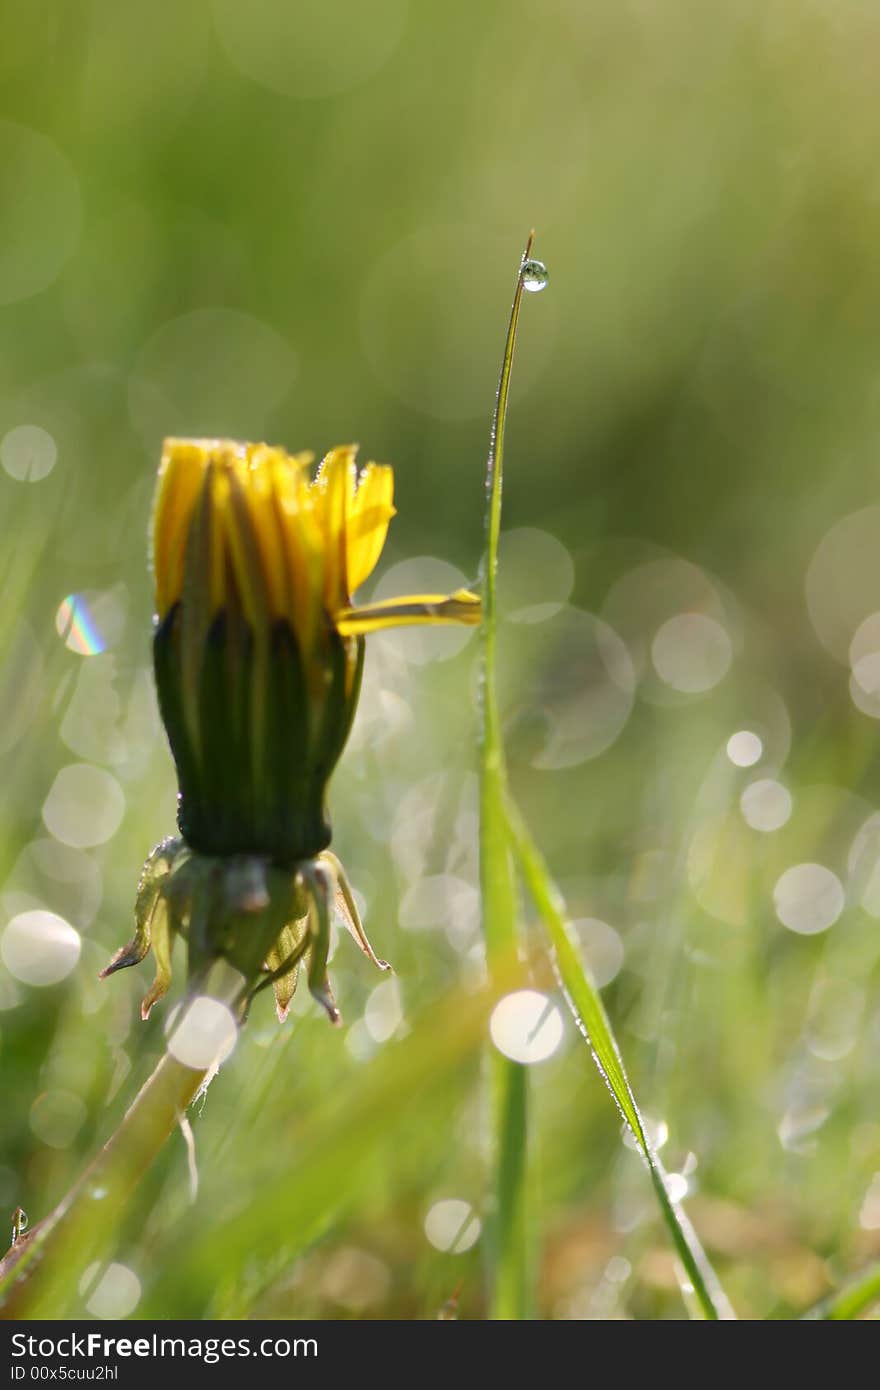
x,y
501,831
590,1016
497,884
509,1083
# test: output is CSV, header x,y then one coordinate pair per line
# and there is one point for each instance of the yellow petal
x,y
371,513
204,586
303,545
460,607
334,494
244,548
260,493
181,473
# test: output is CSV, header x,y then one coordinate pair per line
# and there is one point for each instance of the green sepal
x,y
345,668
223,821
154,876
347,909
167,663
283,962
153,923
162,944
292,825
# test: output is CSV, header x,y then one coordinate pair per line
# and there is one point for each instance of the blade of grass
x,y
497,884
509,1082
500,831
589,1014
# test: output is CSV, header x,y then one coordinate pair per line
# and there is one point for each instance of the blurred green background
x,y
301,222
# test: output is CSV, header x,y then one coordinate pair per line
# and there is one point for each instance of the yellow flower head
x,y
258,649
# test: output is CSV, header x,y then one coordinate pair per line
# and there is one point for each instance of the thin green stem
x,y
496,874
510,1291
502,831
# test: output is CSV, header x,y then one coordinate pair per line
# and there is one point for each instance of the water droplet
x,y
19,1223
534,276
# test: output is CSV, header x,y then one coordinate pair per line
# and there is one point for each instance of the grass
x,y
503,833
